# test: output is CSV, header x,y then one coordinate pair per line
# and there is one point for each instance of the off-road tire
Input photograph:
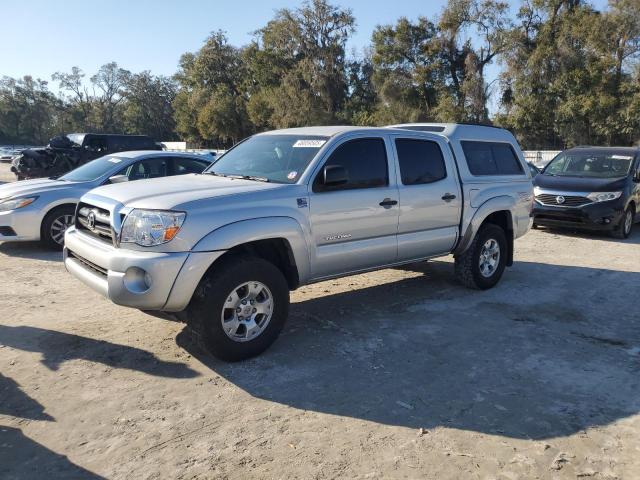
x,y
467,265
204,312
620,231
45,228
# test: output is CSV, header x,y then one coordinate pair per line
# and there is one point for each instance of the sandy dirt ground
x,y
395,374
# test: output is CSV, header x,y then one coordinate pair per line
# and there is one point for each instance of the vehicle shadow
x,y
16,403
32,250
528,359
21,457
58,347
633,239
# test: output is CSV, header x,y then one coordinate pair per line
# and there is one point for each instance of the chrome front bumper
x,y
144,280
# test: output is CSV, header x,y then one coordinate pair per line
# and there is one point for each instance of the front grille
x,y
94,221
569,200
88,264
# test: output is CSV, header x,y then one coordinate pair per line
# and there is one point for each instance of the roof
x,y
155,153
324,131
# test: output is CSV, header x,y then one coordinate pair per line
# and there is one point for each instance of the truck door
x,y
430,196
354,224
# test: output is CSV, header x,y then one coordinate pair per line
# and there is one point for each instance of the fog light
x,y
137,280
606,221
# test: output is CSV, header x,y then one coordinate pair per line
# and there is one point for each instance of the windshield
x,y
593,164
92,170
273,158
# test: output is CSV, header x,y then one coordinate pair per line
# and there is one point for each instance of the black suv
x,y
594,188
66,152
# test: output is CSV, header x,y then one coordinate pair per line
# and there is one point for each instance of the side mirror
x,y
334,175
118,179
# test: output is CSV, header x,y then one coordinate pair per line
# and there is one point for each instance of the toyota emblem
x,y
559,199
91,220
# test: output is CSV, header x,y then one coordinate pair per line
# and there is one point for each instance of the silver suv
x,y
292,207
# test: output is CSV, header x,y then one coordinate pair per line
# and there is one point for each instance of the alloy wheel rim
x,y
59,226
247,311
489,258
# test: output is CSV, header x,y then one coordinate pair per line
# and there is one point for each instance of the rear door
x,y
354,225
430,196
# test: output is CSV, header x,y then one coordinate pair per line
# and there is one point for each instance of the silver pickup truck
x,y
290,207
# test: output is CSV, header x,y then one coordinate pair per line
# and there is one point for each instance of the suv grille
x,y
94,221
569,200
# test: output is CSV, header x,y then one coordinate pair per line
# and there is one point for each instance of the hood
x,y
169,192
33,187
579,184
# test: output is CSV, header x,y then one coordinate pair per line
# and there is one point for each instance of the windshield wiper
x,y
239,177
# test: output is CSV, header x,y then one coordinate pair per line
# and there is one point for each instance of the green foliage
x,y
570,75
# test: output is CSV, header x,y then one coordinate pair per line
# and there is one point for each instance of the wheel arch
x,y
498,211
279,240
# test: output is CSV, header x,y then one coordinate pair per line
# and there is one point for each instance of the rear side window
x,y
365,161
420,161
183,165
491,158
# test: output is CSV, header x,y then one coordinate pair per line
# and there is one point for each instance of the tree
x,y
148,107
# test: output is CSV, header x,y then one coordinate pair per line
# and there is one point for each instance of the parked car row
x,y
221,242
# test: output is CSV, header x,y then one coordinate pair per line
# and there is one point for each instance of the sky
x,y
40,37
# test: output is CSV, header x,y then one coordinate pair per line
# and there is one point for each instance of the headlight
x,y
148,228
603,196
15,203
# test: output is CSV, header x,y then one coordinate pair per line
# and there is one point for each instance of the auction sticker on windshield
x,y
309,143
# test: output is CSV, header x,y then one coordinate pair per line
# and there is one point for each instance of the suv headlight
x,y
603,196
148,228
15,203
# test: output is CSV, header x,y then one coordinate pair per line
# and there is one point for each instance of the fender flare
x,y
263,228
495,204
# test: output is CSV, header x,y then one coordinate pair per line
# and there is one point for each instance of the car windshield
x,y
92,170
593,164
273,158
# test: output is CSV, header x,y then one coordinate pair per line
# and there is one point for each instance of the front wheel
x,y
483,264
239,308
55,224
623,230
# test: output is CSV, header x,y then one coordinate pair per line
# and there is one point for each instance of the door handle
x,y
447,197
387,202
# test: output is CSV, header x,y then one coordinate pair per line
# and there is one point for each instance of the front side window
x,y
491,158
585,163
272,157
148,168
421,161
365,161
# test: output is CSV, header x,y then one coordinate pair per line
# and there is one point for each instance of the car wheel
x,y
239,308
623,229
54,225
483,264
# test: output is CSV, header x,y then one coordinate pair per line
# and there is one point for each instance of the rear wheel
x,y
239,308
55,224
483,264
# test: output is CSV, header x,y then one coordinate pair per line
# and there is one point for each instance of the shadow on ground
x,y
58,347
634,237
33,250
549,352
16,403
20,454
